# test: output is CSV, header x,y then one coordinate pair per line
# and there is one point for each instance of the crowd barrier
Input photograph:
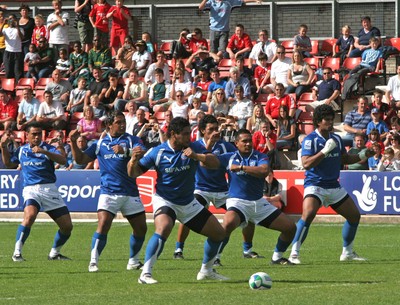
x,y
373,192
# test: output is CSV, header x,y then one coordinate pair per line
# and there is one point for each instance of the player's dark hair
x,y
33,125
208,119
240,132
321,112
111,117
177,125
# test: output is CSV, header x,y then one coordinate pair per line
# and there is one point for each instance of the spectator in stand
x,y
141,120
57,24
180,48
89,126
197,41
262,75
27,24
264,141
4,22
120,16
30,58
345,44
77,97
141,59
217,83
244,71
200,86
99,21
114,91
179,84
151,133
395,145
159,92
27,109
234,81
201,59
46,63
13,58
362,40
279,99
82,144
99,56
327,91
239,44
286,129
359,145
78,63
161,63
63,64
242,108
130,117
219,103
149,44
40,30
302,42
8,112
51,113
123,59
263,46
135,91
253,123
272,191
388,162
179,107
82,9
378,124
60,88
167,119
376,158
393,89
280,68
192,115
98,86
98,109
374,137
387,110
220,12
356,121
300,76
228,128
370,59
180,64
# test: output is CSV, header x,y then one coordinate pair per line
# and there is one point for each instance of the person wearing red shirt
x,y
264,141
278,100
201,84
8,112
98,19
119,27
39,31
239,44
262,75
197,40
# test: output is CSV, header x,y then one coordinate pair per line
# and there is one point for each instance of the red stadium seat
x,y
288,44
8,84
332,62
42,82
351,63
313,62
327,46
225,64
314,47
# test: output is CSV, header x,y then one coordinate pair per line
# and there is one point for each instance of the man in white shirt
x,y
262,46
57,25
393,89
279,68
51,114
13,55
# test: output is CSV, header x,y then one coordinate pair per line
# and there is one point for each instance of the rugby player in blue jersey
x,y
40,193
118,191
212,187
248,169
176,162
323,154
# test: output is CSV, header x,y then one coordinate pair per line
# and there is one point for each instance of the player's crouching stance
x,y
36,159
246,202
176,162
119,191
323,153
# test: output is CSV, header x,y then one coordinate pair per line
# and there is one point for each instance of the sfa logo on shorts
x,y
367,198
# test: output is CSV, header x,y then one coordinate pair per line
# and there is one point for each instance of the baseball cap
x,y
375,110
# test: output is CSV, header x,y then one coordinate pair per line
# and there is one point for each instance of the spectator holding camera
x,y
150,133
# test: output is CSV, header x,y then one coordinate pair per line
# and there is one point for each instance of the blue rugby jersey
x,y
113,167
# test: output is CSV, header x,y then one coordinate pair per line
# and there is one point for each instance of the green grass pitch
x,y
321,279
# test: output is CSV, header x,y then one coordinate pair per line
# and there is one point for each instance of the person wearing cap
x,y
377,123
362,40
141,59
120,17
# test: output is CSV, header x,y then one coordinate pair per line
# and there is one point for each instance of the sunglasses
x,y
179,95
220,93
327,73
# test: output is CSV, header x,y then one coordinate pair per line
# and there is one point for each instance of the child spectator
x,y
388,162
302,42
196,103
262,75
387,111
376,158
77,97
119,27
345,43
150,45
99,20
30,58
373,138
40,30
63,64
370,59
378,124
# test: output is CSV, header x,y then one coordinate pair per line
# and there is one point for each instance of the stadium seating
x,y
351,63
42,82
8,84
332,62
314,47
74,119
327,46
305,99
288,44
225,64
313,62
